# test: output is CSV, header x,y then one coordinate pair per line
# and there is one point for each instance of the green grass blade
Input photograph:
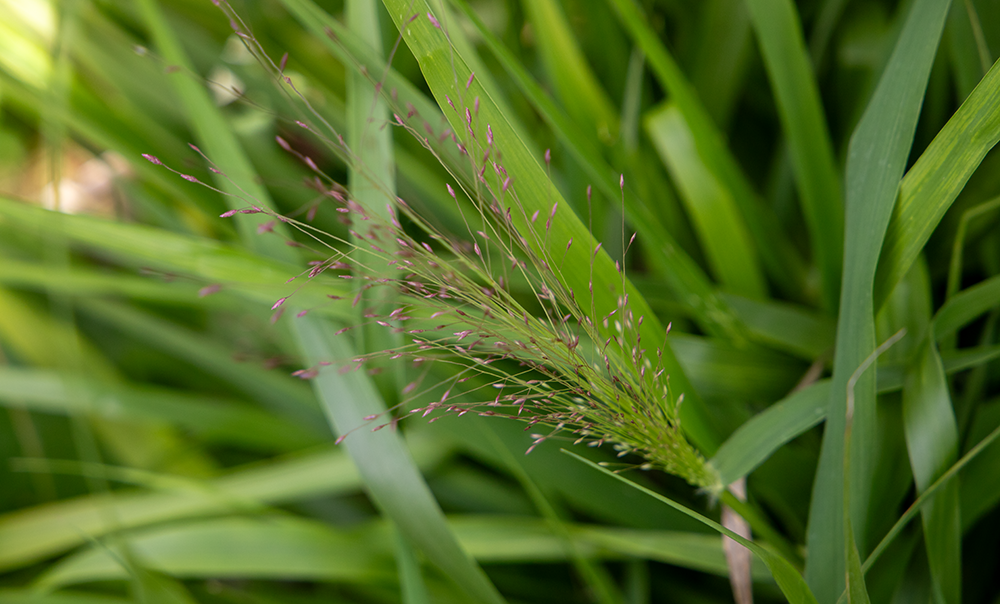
x,y
936,179
686,279
282,393
781,42
876,159
390,474
709,204
932,442
446,73
778,256
965,306
789,580
786,327
755,441
857,592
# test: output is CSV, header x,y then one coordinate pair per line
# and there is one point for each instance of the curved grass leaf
x,y
36,533
965,306
710,205
216,138
754,442
210,418
286,547
577,86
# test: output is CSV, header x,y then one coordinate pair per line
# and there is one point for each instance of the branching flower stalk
x,y
490,304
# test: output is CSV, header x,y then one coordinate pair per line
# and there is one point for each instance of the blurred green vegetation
x,y
806,179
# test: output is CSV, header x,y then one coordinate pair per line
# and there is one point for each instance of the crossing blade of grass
x,y
754,442
857,592
790,328
936,179
686,279
372,182
711,207
932,442
284,547
789,580
721,56
876,159
390,475
446,74
779,258
779,35
955,266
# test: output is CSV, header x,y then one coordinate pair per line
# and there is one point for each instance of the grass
x,y
194,405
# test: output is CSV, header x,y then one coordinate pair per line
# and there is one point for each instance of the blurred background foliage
x,y
157,448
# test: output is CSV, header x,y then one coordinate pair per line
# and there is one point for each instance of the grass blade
x,y
936,179
932,441
709,204
686,279
790,71
876,159
755,441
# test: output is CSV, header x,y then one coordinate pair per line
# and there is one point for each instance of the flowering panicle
x,y
486,311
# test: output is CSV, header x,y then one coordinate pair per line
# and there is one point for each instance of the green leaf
x,y
779,35
965,306
577,86
932,442
936,179
857,592
210,418
709,204
754,442
877,157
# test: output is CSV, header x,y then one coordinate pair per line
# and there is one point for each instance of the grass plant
x,y
453,301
